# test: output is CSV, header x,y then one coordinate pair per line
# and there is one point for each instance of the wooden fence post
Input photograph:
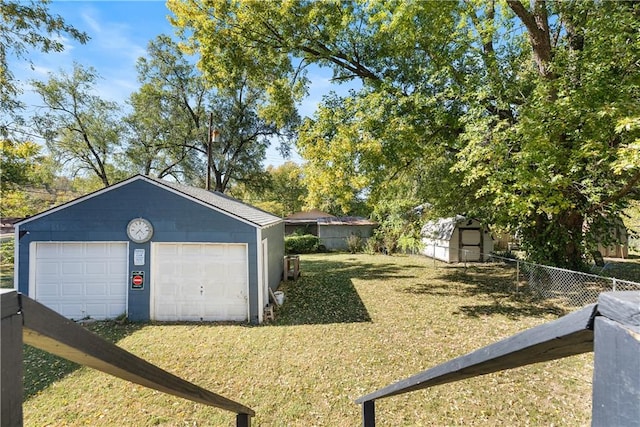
x,y
10,359
616,362
243,420
369,413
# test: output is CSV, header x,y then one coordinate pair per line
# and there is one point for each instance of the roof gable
x,y
214,200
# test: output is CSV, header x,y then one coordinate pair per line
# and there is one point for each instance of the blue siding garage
x,y
153,250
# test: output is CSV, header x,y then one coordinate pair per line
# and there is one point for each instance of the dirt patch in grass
x,y
350,325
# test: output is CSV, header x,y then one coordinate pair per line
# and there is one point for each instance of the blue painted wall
x,y
275,235
104,217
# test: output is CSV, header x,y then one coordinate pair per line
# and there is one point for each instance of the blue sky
x,y
120,32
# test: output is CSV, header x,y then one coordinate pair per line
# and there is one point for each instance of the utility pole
x,y
209,142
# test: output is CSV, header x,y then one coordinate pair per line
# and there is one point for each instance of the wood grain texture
x,y
11,371
623,307
616,375
9,302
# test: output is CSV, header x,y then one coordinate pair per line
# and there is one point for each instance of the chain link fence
x,y
567,287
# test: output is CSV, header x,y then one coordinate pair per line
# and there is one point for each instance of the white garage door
x,y
199,281
81,279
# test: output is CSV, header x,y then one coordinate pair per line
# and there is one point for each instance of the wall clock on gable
x,y
139,230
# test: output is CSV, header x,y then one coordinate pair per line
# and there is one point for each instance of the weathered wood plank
x,y
49,331
243,420
623,307
9,302
567,336
11,361
616,375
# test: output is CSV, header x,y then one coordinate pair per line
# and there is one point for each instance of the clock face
x,y
139,230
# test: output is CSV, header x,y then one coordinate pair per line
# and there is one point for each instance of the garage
x,y
199,282
81,279
154,250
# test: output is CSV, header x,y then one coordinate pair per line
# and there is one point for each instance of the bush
x,y
6,252
304,244
354,243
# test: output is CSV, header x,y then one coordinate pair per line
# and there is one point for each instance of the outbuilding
x,y
151,250
456,239
334,232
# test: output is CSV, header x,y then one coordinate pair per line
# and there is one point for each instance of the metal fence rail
x,y
571,288
568,287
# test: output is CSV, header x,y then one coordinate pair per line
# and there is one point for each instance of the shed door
x,y
471,243
199,281
80,279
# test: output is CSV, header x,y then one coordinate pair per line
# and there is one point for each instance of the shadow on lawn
x,y
41,369
487,280
324,293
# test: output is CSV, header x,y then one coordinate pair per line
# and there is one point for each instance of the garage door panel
x,y
82,279
117,268
72,290
48,268
73,311
194,282
71,250
98,310
69,268
96,268
48,289
116,289
97,289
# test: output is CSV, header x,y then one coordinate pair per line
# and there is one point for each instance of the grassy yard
x,y
350,325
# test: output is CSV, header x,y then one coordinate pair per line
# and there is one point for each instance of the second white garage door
x,y
199,281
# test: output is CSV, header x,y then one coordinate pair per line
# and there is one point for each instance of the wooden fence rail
x,y
610,328
27,321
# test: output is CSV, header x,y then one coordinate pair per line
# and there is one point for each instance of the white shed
x,y
456,239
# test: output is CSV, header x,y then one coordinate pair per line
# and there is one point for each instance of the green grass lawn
x,y
350,325
6,276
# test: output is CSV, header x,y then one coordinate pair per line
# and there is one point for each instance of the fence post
x,y
434,254
243,420
369,413
614,283
11,359
517,275
616,361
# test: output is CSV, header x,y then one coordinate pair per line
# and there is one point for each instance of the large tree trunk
x,y
556,240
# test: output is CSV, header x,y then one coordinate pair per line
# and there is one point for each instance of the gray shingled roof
x,y
441,229
223,202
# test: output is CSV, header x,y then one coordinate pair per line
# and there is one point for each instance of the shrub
x,y
354,243
6,252
305,244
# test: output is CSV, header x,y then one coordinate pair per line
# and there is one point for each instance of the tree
x,y
26,176
282,193
23,26
548,164
81,129
171,119
168,124
231,58
516,106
